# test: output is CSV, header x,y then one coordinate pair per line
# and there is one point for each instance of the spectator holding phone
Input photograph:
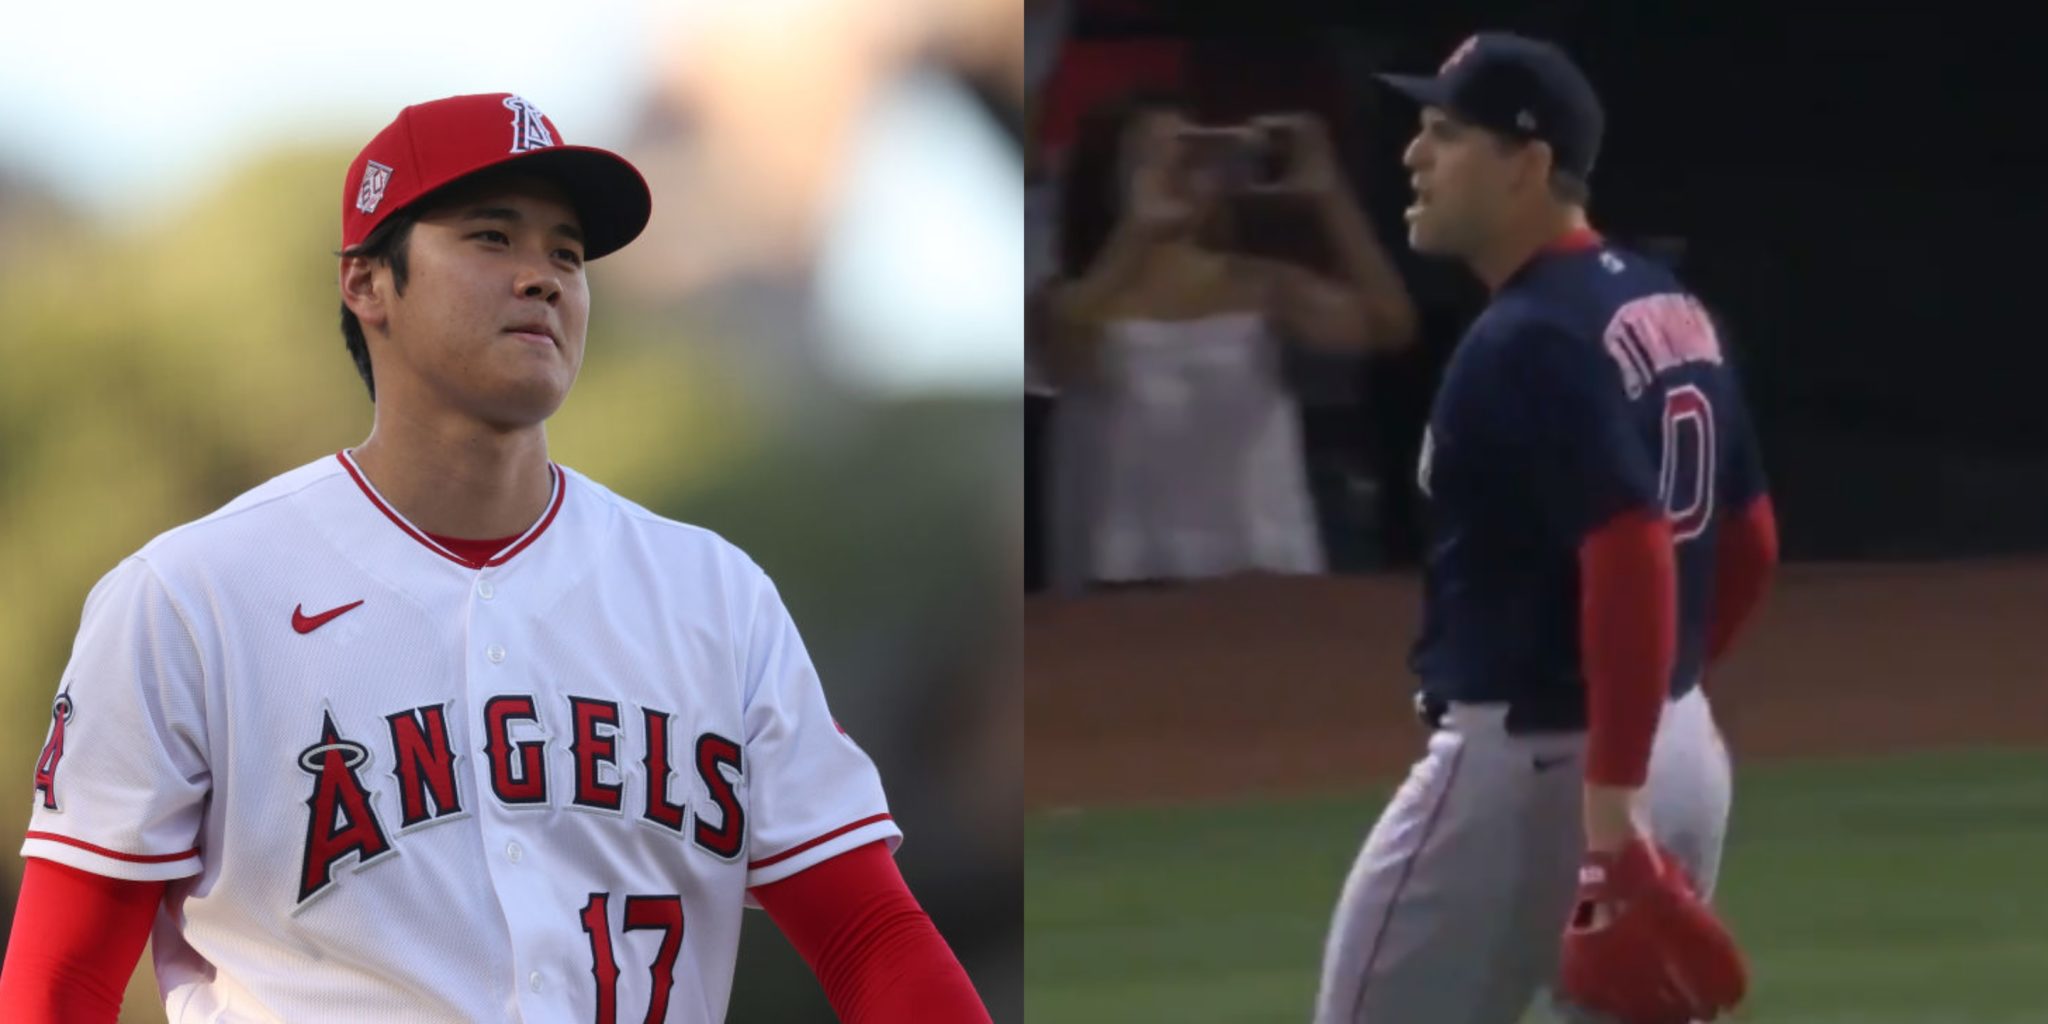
x,y
1178,447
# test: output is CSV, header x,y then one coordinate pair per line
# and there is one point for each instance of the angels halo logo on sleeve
x,y
53,751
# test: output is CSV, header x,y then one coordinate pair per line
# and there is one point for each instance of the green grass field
x,y
1901,890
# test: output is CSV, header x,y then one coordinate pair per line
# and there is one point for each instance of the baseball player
x,y
435,729
1601,534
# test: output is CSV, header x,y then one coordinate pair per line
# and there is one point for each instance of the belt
x,y
1431,710
1522,719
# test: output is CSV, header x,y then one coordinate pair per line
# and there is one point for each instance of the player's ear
x,y
1536,163
358,279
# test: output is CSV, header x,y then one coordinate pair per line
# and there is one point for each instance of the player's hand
x,y
1613,817
1642,948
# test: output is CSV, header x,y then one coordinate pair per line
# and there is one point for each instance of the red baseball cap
x,y
437,143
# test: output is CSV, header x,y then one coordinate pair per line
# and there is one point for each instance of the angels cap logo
x,y
529,131
375,177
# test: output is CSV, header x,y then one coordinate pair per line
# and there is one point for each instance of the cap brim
x,y
610,196
1427,90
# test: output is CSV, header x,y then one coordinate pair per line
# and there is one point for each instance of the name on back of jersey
x,y
1659,333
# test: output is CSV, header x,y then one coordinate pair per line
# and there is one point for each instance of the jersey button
x,y
485,590
495,653
513,853
533,981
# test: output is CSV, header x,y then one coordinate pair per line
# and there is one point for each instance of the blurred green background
x,y
159,357
1888,890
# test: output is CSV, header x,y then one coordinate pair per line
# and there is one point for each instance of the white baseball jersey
x,y
390,784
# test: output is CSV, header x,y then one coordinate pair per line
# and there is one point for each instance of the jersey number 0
x,y
1687,482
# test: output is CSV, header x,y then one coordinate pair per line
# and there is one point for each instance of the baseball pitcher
x,y
1601,533
435,729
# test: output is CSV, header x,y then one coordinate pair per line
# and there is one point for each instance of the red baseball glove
x,y
1642,948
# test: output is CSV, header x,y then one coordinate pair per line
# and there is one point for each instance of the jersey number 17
x,y
655,913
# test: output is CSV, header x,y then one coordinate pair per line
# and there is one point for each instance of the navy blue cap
x,y
1520,87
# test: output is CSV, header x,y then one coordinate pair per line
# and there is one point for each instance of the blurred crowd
x,y
1164,333
1207,288
1231,349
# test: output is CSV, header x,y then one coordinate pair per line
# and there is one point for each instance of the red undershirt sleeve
x,y
1745,558
76,939
1628,639
874,950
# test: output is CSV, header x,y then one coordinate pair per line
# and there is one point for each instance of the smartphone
x,y
1272,157
1243,158
1214,153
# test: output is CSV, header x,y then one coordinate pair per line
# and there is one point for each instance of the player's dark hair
x,y
388,244
1092,186
1565,187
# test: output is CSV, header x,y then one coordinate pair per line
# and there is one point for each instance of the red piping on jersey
x,y
1575,240
474,550
554,506
132,858
561,488
801,847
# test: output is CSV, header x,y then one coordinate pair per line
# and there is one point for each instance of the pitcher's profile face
x,y
1463,179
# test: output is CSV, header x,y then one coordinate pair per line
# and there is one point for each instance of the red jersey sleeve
x,y
873,948
76,939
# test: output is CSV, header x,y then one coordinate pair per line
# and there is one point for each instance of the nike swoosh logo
x,y
307,623
1544,764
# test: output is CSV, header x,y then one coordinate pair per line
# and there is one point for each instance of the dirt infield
x,y
1266,685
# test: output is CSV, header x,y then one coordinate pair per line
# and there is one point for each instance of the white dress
x,y
1183,459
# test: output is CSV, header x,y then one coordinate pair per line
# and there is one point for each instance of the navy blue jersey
x,y
1593,384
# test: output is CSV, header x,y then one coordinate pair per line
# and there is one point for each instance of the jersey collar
x,y
1577,240
518,544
